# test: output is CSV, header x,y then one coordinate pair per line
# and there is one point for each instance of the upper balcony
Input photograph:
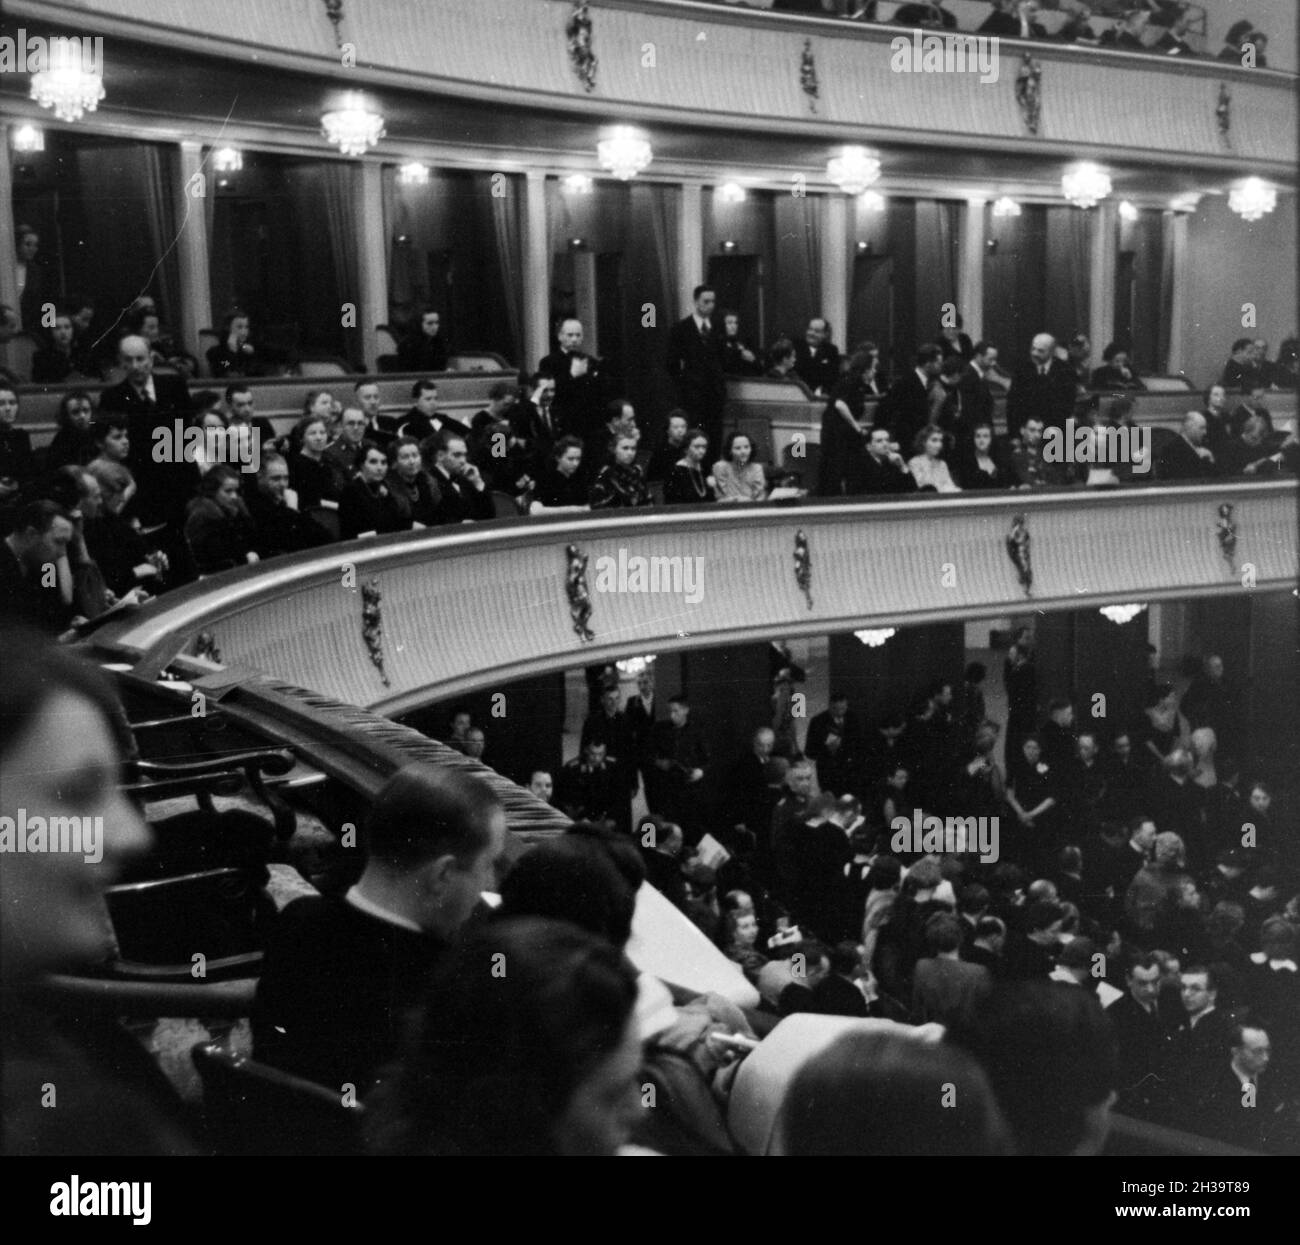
x,y
692,70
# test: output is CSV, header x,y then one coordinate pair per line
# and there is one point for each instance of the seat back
x,y
253,1109
504,506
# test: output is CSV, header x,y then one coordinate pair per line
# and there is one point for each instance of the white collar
x,y
1276,965
370,908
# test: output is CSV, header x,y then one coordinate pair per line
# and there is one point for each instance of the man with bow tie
x,y
1043,386
695,363
579,387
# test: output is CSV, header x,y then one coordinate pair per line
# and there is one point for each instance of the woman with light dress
x,y
927,466
737,477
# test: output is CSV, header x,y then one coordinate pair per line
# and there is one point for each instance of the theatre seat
x,y
252,1109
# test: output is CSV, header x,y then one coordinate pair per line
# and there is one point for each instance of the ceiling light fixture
x,y
624,153
28,139
1005,206
353,129
1252,198
1085,185
875,637
413,173
853,170
1121,613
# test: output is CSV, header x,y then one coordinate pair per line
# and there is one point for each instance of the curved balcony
x,y
739,69
417,618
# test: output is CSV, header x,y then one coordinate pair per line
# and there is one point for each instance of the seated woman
x,y
114,541
412,486
561,487
977,465
62,739
234,354
737,477
17,462
926,464
686,483
310,476
739,939
543,1060
1116,371
671,447
110,432
74,443
368,505
217,526
620,484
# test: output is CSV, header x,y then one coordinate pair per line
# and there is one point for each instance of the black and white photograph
x,y
914,771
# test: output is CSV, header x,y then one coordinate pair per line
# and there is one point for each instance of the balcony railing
x,y
392,623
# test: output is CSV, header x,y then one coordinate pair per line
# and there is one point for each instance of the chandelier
x,y
578,184
227,160
1005,207
624,153
1121,613
1252,199
853,170
732,192
413,174
1127,211
68,88
1085,185
353,129
872,201
633,666
874,638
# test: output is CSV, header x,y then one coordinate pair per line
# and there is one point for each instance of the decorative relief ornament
x,y
808,75
1018,551
1029,92
581,57
803,566
1223,111
334,11
1227,533
205,646
575,584
372,625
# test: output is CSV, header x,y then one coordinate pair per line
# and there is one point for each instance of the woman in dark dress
x,y
217,526
843,443
74,443
412,486
1032,793
978,466
671,448
17,462
368,505
687,483
310,476
561,486
114,541
620,484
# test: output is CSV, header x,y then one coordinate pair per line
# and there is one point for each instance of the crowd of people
x,y
1158,27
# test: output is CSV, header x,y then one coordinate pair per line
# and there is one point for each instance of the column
x,y
836,265
1177,224
537,270
690,249
1101,275
584,298
193,249
970,272
372,259
8,244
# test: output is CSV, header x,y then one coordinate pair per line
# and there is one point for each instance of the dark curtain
x,y
1015,276
937,231
1065,289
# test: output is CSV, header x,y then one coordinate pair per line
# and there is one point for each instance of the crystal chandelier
x,y
633,666
1085,185
874,638
624,153
227,160
853,170
1121,613
353,129
1252,199
1005,207
68,88
732,192
413,174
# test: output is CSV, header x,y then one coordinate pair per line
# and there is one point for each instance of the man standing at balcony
x,y
1043,386
906,409
695,364
579,387
817,358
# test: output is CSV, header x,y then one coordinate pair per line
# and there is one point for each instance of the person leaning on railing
x,y
620,484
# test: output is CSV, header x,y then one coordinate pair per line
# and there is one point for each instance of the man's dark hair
x,y
976,672
363,381
422,386
237,387
38,516
1042,915
1242,342
989,927
679,699
844,958
928,354
943,932
423,812
614,408
1057,704
1050,1055
973,898
499,390
982,346
1212,974
701,289
445,437
1144,961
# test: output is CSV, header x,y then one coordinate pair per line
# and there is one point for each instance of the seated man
x,y
1186,457
463,491
277,526
340,973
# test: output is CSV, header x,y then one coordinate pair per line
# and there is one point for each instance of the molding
x,y
452,625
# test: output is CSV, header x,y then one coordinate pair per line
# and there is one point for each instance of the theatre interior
x,y
651,461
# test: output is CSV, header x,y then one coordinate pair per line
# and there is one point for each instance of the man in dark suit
x,y
695,364
341,973
906,408
1241,1104
881,469
1144,1036
152,402
1201,1042
1043,386
1031,955
985,944
817,358
589,788
579,386
610,726
680,757
277,527
465,495
241,411
1241,371
33,287
1186,456
944,987
977,404
835,742
422,420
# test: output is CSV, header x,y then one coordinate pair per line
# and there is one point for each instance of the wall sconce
x,y
577,244
864,248
729,245
991,246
